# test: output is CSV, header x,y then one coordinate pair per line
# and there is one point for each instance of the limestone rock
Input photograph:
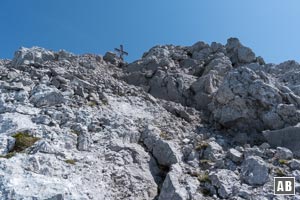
x,y
171,188
283,153
6,144
213,151
239,53
295,164
141,130
225,181
286,137
254,171
235,155
164,152
46,96
32,56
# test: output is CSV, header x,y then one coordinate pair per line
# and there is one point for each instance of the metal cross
x,y
121,52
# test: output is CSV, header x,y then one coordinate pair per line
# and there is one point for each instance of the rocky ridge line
x,y
199,122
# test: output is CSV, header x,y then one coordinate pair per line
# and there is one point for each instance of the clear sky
x,y
270,27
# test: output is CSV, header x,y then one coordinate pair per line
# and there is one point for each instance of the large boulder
x,y
163,151
238,53
32,56
43,95
254,171
213,151
171,188
288,137
250,101
225,182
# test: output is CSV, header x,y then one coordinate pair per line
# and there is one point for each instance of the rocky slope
x,y
199,122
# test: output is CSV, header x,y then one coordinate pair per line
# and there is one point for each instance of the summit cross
x,y
121,52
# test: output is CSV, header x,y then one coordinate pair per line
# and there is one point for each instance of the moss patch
x,y
283,162
279,172
164,135
201,145
23,141
205,161
205,192
75,132
71,161
92,103
203,178
9,155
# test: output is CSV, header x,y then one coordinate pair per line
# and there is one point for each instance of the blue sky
x,y
270,27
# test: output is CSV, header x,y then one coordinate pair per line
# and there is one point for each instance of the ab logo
x,y
284,185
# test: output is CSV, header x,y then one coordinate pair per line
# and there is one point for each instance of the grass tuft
x,y
279,172
71,161
283,162
92,103
204,177
201,145
23,141
75,132
164,135
9,155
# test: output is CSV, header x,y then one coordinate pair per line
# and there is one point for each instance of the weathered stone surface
x,y
235,155
163,151
32,56
213,151
238,53
287,137
6,144
171,130
112,58
46,96
283,153
247,101
254,171
171,188
295,164
225,181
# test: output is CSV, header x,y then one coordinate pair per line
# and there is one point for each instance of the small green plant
x,y
165,135
104,102
92,103
9,155
205,161
71,161
204,177
279,172
283,162
23,141
201,145
205,192
75,132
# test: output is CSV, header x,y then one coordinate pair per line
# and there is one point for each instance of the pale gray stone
x,y
287,137
46,96
283,153
213,151
225,181
254,171
235,155
295,164
34,55
171,188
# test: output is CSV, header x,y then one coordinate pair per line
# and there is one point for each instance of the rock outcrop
x,y
198,122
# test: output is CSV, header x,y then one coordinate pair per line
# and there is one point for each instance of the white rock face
x,y
225,181
255,171
34,55
186,123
